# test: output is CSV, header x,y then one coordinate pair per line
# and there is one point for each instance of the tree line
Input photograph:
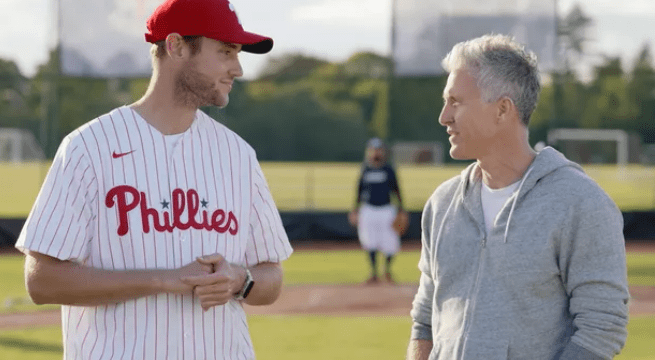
x,y
303,108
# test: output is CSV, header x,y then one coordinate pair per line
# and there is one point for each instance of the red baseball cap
x,y
214,19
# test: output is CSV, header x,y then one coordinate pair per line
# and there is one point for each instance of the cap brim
x,y
261,47
252,43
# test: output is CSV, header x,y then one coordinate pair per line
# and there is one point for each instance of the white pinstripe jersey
x,y
114,198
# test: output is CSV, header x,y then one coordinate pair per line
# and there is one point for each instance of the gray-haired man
x,y
523,254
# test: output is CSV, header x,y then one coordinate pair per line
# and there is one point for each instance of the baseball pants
x,y
375,229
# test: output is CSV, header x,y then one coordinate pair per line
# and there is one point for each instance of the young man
x,y
374,212
523,254
155,222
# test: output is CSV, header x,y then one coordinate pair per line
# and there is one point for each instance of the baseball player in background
x,y
375,215
155,223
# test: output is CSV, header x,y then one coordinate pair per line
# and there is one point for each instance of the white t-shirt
x,y
493,201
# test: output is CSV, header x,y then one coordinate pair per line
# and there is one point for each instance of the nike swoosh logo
x,y
116,156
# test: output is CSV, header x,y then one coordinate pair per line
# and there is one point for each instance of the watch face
x,y
248,288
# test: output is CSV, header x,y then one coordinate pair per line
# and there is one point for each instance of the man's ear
x,y
176,47
505,109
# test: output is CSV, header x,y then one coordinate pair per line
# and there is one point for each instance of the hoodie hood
x,y
547,161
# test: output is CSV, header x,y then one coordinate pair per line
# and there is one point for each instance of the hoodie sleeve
x,y
422,305
593,267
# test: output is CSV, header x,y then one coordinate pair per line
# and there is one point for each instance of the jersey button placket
x,y
176,237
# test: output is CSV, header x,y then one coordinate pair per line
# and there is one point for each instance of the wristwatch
x,y
247,286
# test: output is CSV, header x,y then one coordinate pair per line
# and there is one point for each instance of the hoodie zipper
x,y
483,243
476,290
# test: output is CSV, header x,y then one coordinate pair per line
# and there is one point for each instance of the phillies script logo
x,y
126,198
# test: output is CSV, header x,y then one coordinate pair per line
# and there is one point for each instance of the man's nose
x,y
445,117
237,71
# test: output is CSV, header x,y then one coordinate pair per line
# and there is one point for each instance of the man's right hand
x,y
419,349
219,287
174,283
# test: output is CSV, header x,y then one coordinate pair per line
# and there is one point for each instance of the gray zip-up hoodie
x,y
548,282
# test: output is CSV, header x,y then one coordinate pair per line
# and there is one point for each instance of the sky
x,y
330,29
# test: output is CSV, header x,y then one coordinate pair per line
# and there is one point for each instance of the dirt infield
x,y
347,300
342,300
382,299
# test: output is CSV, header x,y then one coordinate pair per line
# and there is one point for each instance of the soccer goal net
x,y
417,153
18,145
599,146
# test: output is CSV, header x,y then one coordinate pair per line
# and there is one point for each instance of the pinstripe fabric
x,y
115,198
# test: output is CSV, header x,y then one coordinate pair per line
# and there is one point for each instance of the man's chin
x,y
219,103
458,154
223,102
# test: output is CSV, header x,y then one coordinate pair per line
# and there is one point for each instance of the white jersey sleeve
x,y
60,223
267,240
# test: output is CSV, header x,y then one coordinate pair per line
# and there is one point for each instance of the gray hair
x,y
502,67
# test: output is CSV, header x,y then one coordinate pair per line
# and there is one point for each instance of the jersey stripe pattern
x,y
115,198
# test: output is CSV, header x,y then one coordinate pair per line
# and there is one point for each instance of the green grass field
x,y
316,337
332,186
312,337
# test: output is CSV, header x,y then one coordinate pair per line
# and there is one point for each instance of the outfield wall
x,y
331,186
314,198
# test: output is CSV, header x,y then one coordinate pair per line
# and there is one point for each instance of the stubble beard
x,y
194,89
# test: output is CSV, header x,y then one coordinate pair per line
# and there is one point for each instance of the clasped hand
x,y
218,285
